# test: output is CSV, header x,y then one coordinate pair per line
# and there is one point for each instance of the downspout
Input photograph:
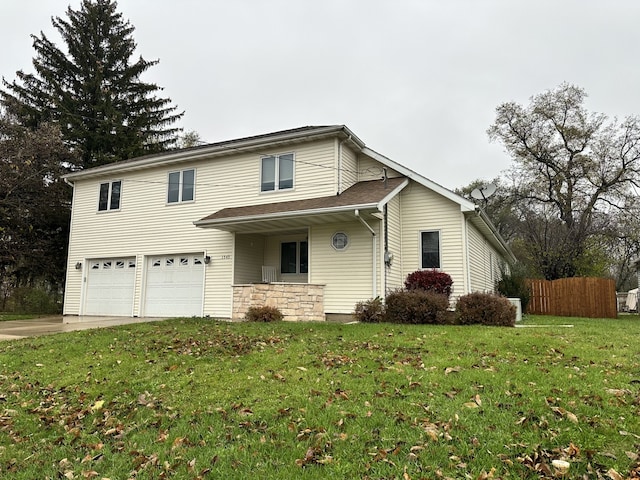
x,y
374,247
387,258
467,255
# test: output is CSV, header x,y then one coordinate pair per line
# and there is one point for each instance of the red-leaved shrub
x,y
429,280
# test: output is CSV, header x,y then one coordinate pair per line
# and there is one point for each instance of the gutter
x,y
374,247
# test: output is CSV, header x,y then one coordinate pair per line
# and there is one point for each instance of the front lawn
x,y
201,399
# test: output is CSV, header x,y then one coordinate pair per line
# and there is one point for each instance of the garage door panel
x,y
174,285
110,286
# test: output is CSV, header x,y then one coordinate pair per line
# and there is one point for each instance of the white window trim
x,y
109,209
180,187
277,173
439,232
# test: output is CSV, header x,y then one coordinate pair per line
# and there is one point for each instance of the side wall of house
x,y
424,210
484,262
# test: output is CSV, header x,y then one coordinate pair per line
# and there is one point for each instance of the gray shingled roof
x,y
361,194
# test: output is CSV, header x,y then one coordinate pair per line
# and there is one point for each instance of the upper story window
x,y
109,198
430,248
181,186
276,173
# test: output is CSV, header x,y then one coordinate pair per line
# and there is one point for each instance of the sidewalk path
x,y
14,329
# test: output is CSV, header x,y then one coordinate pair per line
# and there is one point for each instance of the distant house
x,y
310,220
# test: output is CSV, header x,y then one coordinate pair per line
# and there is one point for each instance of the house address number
x,y
225,257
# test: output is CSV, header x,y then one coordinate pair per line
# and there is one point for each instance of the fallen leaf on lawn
x,y
565,413
302,369
89,474
614,475
97,406
471,405
561,466
449,370
618,392
486,476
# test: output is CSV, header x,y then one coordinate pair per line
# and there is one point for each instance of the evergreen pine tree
x,y
93,89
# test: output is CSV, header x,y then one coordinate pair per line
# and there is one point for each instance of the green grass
x,y
201,399
16,316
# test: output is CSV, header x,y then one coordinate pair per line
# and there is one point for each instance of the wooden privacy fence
x,y
574,297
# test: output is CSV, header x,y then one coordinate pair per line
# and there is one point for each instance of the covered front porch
x,y
307,257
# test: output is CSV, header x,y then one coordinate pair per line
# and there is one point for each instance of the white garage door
x,y
174,286
110,286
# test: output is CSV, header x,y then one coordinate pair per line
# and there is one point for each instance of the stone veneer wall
x,y
296,301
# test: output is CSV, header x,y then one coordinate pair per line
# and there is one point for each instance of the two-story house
x,y
310,220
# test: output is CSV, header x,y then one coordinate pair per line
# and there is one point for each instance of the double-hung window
x,y
181,186
109,197
294,257
276,173
430,249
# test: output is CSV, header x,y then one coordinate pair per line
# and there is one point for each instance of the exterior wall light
x,y
207,260
79,266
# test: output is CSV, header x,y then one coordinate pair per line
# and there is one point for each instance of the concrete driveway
x,y
14,329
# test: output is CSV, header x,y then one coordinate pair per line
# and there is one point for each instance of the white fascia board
x,y
465,205
284,215
392,194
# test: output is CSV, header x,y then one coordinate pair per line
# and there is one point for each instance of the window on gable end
x,y
430,249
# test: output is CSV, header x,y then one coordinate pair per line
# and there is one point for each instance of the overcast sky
x,y
417,80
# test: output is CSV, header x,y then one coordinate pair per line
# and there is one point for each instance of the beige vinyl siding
x,y
394,273
349,168
248,258
347,274
146,225
484,262
425,210
370,169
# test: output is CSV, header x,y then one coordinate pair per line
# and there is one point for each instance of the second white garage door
x,y
174,286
